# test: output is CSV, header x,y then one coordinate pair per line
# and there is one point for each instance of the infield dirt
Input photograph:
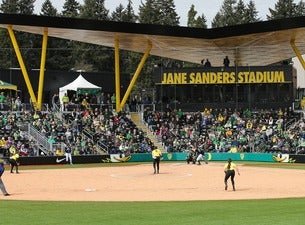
x,y
176,182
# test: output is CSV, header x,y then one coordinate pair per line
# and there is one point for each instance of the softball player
x,y
2,187
156,155
229,170
14,162
68,153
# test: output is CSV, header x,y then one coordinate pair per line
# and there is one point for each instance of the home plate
x,y
90,189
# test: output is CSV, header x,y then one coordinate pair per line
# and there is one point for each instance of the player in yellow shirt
x,y
14,162
229,170
156,155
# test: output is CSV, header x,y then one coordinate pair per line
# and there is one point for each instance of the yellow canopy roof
x,y
5,85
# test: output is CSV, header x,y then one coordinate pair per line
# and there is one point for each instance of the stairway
x,y
137,119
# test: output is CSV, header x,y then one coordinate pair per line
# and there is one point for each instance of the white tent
x,y
79,83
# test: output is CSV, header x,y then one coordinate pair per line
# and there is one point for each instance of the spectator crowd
x,y
88,128
228,130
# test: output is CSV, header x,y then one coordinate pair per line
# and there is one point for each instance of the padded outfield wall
x,y
145,157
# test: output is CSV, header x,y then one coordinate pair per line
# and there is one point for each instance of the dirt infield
x,y
176,182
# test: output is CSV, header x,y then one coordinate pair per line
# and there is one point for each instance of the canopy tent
x,y
5,85
80,85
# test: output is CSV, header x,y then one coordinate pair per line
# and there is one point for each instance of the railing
x,y
103,147
87,134
290,124
71,107
41,140
99,145
24,106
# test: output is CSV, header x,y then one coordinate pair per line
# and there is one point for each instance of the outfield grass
x,y
229,212
245,212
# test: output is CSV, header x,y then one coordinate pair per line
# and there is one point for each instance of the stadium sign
x,y
244,75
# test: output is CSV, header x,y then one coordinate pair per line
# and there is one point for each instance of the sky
x,y
208,7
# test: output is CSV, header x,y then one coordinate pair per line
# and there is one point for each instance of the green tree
x,y
94,9
70,9
226,15
117,15
193,21
48,9
251,14
9,6
129,14
239,11
167,13
235,12
26,7
148,13
191,16
300,9
283,9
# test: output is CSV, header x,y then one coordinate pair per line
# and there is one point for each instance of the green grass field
x,y
237,212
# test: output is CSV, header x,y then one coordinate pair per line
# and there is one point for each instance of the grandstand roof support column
x,y
297,52
136,74
42,68
117,74
22,66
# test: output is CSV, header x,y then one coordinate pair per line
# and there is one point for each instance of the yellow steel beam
x,y
22,66
136,74
42,68
117,74
297,53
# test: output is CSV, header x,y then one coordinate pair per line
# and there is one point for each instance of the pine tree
x,y
129,14
239,12
70,9
300,9
94,9
167,13
117,15
191,16
148,13
193,21
233,13
226,15
26,7
251,14
283,9
48,9
9,6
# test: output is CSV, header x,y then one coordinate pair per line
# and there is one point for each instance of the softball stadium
x,y
270,188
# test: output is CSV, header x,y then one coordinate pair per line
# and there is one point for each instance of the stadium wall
x,y
146,157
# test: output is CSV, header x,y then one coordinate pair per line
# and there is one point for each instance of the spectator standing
x,y
226,61
54,101
207,63
18,103
113,99
2,187
2,100
65,101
